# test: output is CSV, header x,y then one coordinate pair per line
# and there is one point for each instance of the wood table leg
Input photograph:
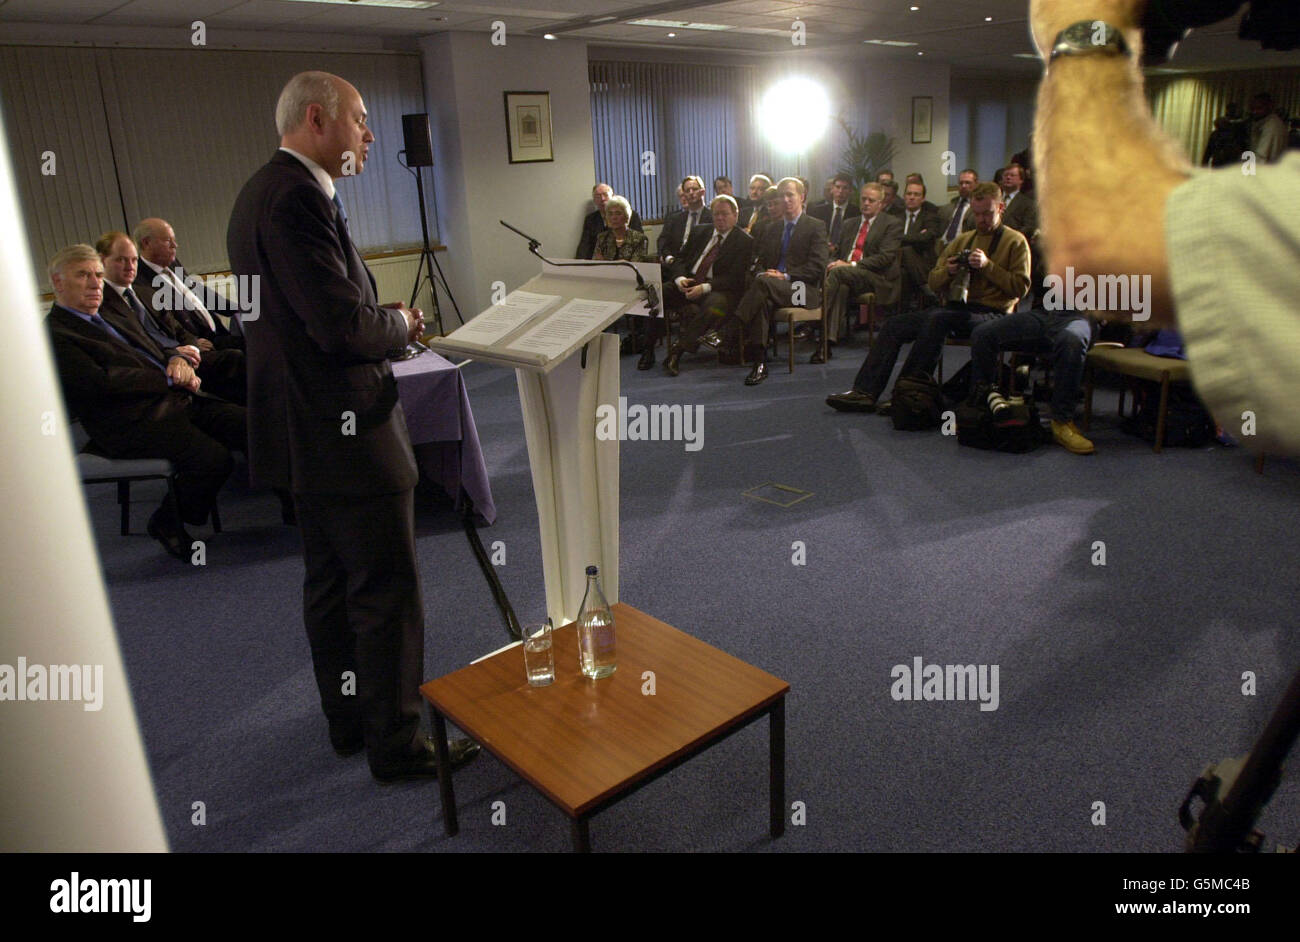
x,y
581,835
776,769
450,823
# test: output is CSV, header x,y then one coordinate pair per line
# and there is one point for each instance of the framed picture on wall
x,y
528,127
922,111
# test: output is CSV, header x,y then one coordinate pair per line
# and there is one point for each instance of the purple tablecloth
x,y
442,430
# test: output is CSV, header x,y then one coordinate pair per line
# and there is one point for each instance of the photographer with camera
x,y
1220,247
982,274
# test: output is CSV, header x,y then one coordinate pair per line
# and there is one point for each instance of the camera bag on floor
x,y
1016,430
917,403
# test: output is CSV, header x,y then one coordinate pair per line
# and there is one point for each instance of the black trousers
x,y
224,375
198,441
764,297
364,614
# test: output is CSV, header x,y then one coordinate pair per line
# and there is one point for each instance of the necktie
x,y
753,218
150,326
911,218
836,221
190,303
109,329
705,263
136,306
856,254
785,244
690,224
338,204
956,221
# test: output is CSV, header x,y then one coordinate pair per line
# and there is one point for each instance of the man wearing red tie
x,y
866,259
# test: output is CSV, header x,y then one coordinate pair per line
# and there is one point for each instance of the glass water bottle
x,y
595,631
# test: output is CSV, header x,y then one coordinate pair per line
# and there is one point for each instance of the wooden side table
x,y
587,744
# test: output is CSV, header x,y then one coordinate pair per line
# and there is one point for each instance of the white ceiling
x,y
954,32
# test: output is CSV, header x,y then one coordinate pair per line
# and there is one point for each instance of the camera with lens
x,y
959,288
962,258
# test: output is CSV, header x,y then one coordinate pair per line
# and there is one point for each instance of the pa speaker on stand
x,y
419,153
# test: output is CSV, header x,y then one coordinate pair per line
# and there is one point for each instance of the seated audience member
x,y
160,285
708,279
958,208
137,402
793,256
997,175
594,224
619,242
759,184
773,214
221,371
866,259
1069,336
722,187
885,176
996,276
893,205
678,226
1268,132
837,209
1021,214
921,231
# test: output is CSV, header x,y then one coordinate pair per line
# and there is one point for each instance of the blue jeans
x,y
1068,335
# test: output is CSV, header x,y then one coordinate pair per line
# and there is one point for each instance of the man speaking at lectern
x,y
324,421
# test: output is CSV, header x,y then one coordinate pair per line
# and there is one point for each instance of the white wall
x,y
466,78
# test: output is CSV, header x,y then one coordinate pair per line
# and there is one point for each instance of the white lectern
x,y
551,332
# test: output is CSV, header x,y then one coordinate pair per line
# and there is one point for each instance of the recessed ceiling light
x,y
914,9
680,24
988,19
887,42
672,35
548,35
920,53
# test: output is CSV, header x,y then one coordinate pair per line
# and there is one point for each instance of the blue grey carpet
x,y
1117,683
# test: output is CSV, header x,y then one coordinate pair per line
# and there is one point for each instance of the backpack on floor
x,y
917,403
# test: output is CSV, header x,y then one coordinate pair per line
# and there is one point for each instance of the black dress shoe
x,y
672,363
817,356
647,358
851,401
169,531
347,740
423,762
757,374
885,408
712,340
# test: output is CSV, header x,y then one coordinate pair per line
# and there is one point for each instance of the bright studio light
x,y
794,113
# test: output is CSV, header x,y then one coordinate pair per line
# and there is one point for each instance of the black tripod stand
x,y
429,262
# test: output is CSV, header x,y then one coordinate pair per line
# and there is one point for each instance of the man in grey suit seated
x,y
866,259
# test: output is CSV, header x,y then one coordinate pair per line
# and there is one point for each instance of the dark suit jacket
x,y
730,268
806,256
824,211
593,226
670,237
117,312
163,301
880,253
108,386
319,347
1022,215
923,237
945,217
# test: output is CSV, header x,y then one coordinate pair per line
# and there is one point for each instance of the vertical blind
x,y
676,120
175,133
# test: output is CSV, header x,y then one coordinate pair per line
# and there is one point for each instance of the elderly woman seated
x,y
620,243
